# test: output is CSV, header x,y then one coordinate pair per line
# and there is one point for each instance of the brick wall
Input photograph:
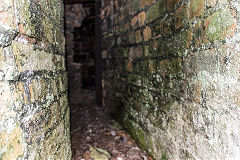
x,y
171,74
34,112
79,33
74,16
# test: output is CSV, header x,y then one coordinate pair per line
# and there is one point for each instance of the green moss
x,y
137,66
164,157
134,79
197,7
156,11
38,24
218,25
157,28
135,5
108,35
142,137
155,48
177,44
120,52
152,66
175,66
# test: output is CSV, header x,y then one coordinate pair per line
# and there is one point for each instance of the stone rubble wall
x,y
34,112
74,16
171,75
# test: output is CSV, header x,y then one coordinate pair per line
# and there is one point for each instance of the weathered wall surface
x,y
34,112
172,68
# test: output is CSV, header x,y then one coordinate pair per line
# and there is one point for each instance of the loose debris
x,y
95,136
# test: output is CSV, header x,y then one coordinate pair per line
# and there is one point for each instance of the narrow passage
x,y
96,136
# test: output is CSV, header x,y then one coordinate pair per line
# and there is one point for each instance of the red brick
x,y
142,18
134,21
147,34
138,36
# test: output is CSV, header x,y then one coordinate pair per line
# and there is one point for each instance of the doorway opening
x,y
91,128
80,47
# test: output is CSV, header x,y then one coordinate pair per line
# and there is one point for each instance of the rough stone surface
x,y
172,74
34,112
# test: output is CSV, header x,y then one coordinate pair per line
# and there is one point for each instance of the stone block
x,y
147,34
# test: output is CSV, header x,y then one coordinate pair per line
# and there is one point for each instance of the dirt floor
x,y
95,136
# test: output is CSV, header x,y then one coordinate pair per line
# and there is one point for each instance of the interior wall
x,y
171,75
80,47
34,112
74,16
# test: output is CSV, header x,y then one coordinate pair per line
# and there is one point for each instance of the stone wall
x,y
74,16
34,112
79,48
171,71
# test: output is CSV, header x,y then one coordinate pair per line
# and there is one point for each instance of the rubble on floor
x,y
95,136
